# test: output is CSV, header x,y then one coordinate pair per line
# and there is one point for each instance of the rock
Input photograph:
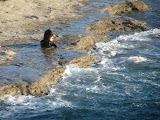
x,y
139,6
126,8
85,61
14,89
116,24
54,75
84,44
87,43
38,88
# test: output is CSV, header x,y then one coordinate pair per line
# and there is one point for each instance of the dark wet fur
x,y
46,43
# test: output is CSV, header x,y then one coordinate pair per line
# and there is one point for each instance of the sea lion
x,y
48,40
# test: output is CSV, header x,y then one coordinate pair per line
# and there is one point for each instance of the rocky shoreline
x,y
99,32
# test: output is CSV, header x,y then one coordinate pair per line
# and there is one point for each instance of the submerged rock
x,y
126,8
114,24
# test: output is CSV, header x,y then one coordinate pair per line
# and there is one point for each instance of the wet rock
x,y
85,61
38,88
114,24
14,89
84,44
139,6
54,76
126,8
87,43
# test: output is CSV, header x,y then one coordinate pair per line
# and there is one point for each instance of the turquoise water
x,y
125,85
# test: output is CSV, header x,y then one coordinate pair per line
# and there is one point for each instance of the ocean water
x,y
125,85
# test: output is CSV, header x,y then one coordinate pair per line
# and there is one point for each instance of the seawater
x,y
125,85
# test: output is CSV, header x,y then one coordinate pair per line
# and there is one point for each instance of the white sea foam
x,y
126,41
137,59
74,69
77,79
31,102
25,103
94,89
70,69
14,100
111,54
140,36
127,44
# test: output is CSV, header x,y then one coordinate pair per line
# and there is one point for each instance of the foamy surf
x,y
20,104
137,59
136,48
77,80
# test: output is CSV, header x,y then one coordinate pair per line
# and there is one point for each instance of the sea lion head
x,y
51,41
48,34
